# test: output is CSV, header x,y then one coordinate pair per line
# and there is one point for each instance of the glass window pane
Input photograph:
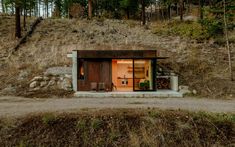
x,y
143,75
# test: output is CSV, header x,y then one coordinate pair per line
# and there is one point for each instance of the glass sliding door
x,y
143,75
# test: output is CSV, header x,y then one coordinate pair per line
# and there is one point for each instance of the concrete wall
x,y
75,70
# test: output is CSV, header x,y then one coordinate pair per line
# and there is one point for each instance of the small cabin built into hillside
x,y
115,70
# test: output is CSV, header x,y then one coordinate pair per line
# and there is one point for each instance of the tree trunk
x,y
12,9
39,7
210,3
189,6
17,21
89,9
24,23
47,9
143,12
3,6
201,4
162,13
128,13
177,9
169,11
30,9
52,6
227,42
44,10
181,10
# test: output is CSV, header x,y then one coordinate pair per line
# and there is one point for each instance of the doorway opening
x,y
122,74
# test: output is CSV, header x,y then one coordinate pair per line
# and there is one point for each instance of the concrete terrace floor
x,y
131,94
19,106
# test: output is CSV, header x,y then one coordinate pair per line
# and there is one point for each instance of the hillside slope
x,y
201,65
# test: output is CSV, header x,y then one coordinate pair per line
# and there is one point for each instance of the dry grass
x,y
7,32
125,127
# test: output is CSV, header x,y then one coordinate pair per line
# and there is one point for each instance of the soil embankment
x,y
120,128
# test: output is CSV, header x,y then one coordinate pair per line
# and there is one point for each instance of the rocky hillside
x,y
202,65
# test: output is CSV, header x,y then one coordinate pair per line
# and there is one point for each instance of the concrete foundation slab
x,y
155,94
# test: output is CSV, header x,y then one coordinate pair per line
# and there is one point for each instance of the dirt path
x,y
18,106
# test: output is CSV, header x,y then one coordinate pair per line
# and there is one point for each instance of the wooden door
x,y
98,71
93,71
106,74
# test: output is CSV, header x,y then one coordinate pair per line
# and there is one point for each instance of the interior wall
x,y
114,72
123,70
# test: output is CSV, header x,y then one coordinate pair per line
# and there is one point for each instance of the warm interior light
x,y
129,62
124,62
82,71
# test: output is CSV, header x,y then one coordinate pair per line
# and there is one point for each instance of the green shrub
x,y
48,119
114,135
189,29
81,125
153,114
96,123
22,144
213,26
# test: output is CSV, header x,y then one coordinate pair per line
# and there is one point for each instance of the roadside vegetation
x,y
125,127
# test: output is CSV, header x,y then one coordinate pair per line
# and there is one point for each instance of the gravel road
x,y
19,106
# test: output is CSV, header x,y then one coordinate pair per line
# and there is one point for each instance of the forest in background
x,y
210,13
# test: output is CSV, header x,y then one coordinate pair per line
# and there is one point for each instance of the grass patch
x,y
187,29
81,125
96,123
48,119
153,114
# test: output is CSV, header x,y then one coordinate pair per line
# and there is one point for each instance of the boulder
x,y
33,84
68,76
66,84
51,82
58,71
182,87
43,83
23,75
9,89
37,78
37,88
194,92
45,78
184,90
61,78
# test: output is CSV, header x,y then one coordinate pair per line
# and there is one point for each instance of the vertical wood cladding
x,y
98,71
